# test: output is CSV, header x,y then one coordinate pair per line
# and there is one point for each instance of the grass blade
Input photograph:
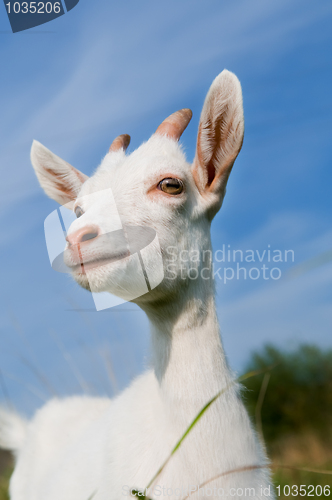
x,y
255,467
201,413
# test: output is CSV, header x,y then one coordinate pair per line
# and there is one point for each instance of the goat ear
x,y
59,179
220,137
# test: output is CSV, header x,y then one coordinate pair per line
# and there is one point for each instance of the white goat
x,y
80,447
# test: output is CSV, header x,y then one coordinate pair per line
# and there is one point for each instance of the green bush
x,y
298,398
294,414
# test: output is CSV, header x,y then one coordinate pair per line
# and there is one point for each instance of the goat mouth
x,y
112,247
82,267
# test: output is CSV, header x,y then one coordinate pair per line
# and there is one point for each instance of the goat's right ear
x,y
59,179
219,140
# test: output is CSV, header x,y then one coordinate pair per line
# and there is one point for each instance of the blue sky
x,y
107,68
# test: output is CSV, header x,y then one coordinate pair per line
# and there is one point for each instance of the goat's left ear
x,y
59,179
220,137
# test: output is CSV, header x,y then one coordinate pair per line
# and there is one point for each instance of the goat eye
x,y
171,186
78,212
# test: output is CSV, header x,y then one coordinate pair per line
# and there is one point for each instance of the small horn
x,y
121,142
175,124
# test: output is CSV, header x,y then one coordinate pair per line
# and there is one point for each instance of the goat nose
x,y
84,234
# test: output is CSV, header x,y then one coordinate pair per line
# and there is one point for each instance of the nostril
x,y
81,235
88,236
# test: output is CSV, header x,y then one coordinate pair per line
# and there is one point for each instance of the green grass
x,y
293,410
4,483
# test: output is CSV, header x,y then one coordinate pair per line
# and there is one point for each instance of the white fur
x,y
77,447
13,430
